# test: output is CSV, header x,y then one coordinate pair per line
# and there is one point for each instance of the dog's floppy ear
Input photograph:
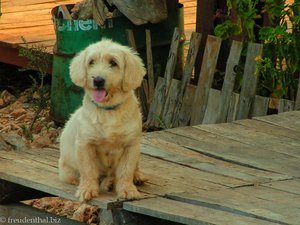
x,y
78,69
134,71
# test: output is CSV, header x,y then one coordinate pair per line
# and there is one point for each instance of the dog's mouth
x,y
99,95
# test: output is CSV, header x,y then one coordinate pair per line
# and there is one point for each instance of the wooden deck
x,y
245,172
32,20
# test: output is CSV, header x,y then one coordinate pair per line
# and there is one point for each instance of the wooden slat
x,y
187,73
231,200
188,213
210,116
232,151
285,105
187,104
250,80
163,84
289,186
165,150
233,107
258,139
229,81
290,120
150,71
268,128
260,106
209,62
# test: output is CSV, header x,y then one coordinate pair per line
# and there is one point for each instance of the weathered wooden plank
x,y
274,197
187,104
190,214
261,126
235,152
233,107
289,120
157,104
208,66
162,149
250,79
230,200
289,186
170,103
150,73
29,174
219,175
163,84
285,105
212,107
260,106
187,73
229,80
258,139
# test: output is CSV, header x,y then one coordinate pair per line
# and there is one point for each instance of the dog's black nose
x,y
99,82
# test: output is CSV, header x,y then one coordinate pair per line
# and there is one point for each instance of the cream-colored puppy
x,y
101,141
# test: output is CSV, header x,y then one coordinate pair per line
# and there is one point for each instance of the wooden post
x,y
150,72
250,80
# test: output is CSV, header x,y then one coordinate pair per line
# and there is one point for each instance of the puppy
x,y
101,140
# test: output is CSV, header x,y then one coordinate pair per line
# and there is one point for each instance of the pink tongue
x,y
99,95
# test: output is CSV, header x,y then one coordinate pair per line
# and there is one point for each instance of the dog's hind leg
x,y
67,173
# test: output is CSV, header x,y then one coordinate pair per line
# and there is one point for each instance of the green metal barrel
x,y
72,36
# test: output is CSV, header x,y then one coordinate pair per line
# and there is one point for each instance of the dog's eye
x,y
113,63
91,62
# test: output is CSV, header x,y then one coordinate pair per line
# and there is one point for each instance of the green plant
x,y
246,14
280,65
38,60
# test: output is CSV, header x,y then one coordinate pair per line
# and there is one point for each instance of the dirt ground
x,y
17,111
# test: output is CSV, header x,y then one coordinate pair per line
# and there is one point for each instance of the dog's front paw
x,y
87,192
128,192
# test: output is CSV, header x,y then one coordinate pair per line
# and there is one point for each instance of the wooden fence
x,y
172,102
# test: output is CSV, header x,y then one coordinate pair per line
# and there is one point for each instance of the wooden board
x,y
258,139
188,213
232,151
244,201
250,80
229,81
290,120
209,63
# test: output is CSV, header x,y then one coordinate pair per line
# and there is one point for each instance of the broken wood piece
x,y
208,67
151,83
163,84
250,81
187,73
229,80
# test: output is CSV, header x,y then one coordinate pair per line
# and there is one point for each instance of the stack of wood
x,y
172,102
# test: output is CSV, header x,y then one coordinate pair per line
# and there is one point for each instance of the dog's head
x,y
107,69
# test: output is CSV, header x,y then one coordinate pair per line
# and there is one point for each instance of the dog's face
x,y
106,70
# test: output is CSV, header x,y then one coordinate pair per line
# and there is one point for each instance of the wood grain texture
x,y
229,81
250,80
209,63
